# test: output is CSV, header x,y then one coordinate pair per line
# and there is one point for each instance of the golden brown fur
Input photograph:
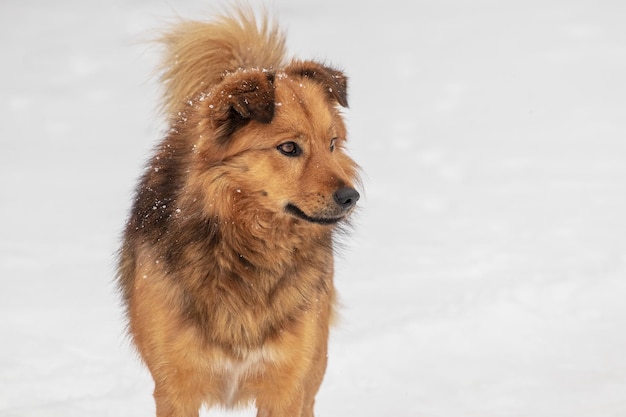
x,y
226,267
198,53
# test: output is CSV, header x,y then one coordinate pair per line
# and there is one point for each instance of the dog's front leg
x,y
277,404
169,404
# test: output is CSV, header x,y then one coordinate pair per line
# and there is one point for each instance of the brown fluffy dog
x,y
226,267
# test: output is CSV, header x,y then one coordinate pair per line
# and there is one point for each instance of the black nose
x,y
346,197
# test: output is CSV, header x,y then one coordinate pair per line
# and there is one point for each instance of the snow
x,y
486,275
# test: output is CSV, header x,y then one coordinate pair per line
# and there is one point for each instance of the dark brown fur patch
x,y
241,98
334,81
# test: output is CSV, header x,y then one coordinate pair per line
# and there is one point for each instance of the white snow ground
x,y
487,274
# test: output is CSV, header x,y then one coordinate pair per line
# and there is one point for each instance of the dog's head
x,y
274,142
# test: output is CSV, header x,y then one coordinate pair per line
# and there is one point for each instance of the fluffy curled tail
x,y
199,54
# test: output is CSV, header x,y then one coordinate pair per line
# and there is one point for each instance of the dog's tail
x,y
199,54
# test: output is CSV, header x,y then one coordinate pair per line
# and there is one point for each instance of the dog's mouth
x,y
297,212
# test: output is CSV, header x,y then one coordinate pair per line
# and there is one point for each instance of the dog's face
x,y
279,144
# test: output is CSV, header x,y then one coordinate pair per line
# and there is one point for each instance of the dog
x,y
226,264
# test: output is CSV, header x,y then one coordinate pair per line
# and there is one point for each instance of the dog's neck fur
x,y
301,269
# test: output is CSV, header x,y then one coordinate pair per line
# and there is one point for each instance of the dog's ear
x,y
242,97
334,81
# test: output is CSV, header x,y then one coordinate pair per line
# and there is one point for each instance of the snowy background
x,y
487,273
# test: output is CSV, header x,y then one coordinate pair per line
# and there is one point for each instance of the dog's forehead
x,y
303,103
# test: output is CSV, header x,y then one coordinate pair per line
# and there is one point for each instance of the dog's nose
x,y
346,197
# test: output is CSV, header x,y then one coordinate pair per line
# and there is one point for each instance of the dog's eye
x,y
290,149
332,144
